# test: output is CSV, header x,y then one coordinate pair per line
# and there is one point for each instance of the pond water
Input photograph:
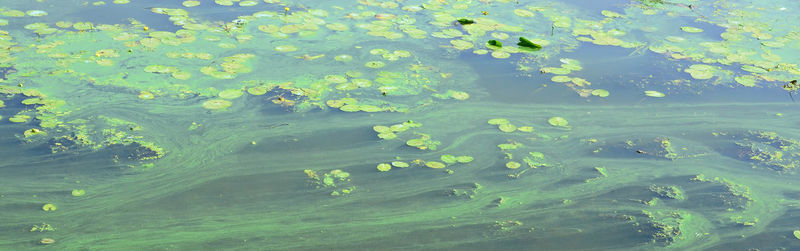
x,y
385,125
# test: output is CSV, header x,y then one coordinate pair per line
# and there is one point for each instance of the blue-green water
x,y
385,125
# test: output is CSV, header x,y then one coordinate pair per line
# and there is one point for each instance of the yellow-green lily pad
x,y
383,167
558,121
435,164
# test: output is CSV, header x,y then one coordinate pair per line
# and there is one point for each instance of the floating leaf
x,y
495,43
216,104
558,121
78,192
415,142
464,21
383,167
513,165
499,121
449,159
387,135
464,159
399,164
507,127
600,93
231,94
691,29
435,164
654,94
526,44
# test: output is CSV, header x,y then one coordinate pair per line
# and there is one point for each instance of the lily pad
x,y
513,165
558,121
526,44
691,29
435,164
257,90
216,104
498,121
507,127
600,93
464,159
449,159
655,94
383,167
231,94
400,164
375,64
415,142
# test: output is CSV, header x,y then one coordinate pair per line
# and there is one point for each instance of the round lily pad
x,y
399,164
337,79
513,165
36,13
381,129
375,64
216,104
415,142
49,207
655,94
449,159
525,129
558,121
499,121
285,48
458,95
146,95
435,164
350,108
78,192
691,29
383,167
257,90
230,94
387,135
464,159
500,54
343,58
600,93
507,127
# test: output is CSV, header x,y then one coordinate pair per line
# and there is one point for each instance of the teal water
x,y
199,128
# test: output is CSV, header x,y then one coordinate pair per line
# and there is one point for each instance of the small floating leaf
x,y
78,192
691,29
654,94
464,21
600,93
435,164
513,165
507,127
526,44
558,121
415,142
449,159
399,164
464,159
495,43
498,121
383,167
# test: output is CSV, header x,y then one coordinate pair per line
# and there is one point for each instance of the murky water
x,y
384,125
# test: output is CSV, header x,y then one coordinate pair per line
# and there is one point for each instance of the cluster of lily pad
x,y
336,181
446,160
390,132
505,126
